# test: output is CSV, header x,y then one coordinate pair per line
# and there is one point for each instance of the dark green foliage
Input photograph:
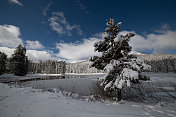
x,y
109,48
3,59
122,68
19,61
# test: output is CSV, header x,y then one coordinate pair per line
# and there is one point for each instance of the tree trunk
x,y
119,96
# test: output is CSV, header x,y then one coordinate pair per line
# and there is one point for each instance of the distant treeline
x,y
159,63
47,67
60,67
19,65
162,65
82,67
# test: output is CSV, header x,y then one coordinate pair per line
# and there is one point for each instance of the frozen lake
x,y
82,84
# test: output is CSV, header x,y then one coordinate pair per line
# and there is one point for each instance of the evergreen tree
x,y
122,68
3,59
19,61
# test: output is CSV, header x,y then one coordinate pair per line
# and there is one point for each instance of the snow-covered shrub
x,y
99,92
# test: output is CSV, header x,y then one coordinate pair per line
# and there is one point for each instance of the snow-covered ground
x,y
28,102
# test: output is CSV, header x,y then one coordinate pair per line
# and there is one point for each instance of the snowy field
x,y
29,102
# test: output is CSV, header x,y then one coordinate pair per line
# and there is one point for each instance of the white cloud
x,y
82,7
33,45
16,2
45,10
77,51
10,36
8,51
34,55
9,39
163,42
163,29
56,26
157,43
59,24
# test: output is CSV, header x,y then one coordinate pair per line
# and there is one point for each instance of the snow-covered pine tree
x,y
19,61
122,68
3,59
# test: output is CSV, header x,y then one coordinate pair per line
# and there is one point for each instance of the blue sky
x,y
67,29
